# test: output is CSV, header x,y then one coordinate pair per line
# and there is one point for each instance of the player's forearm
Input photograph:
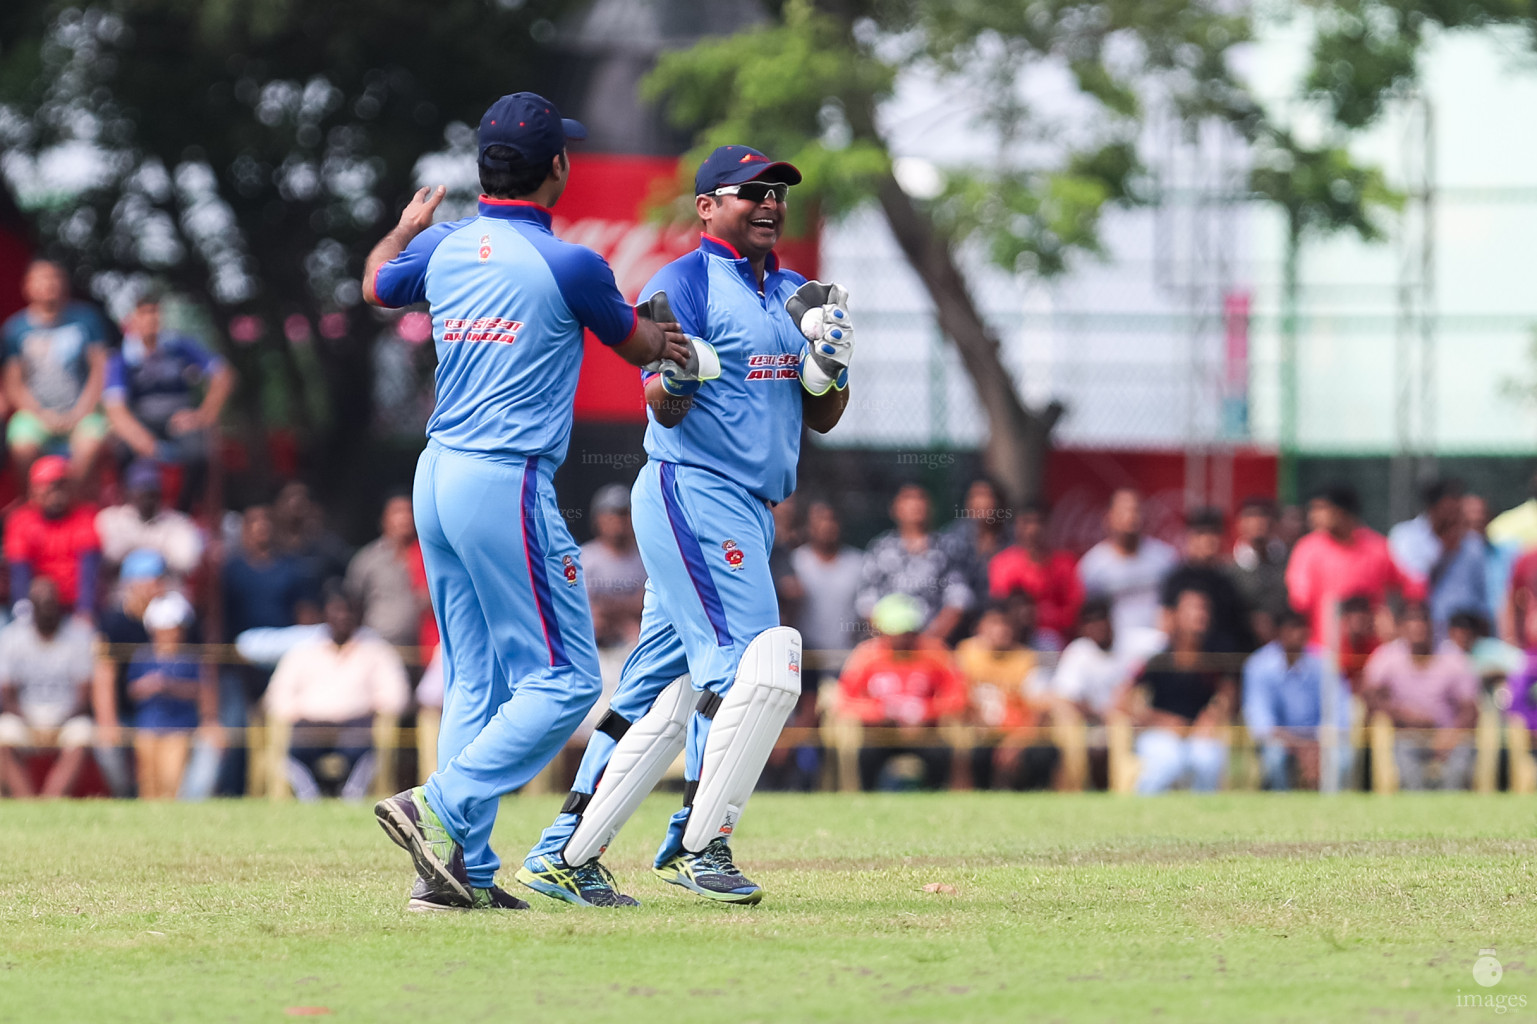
x,y
124,424
646,345
668,409
822,412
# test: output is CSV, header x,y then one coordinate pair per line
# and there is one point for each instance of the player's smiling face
x,y
752,228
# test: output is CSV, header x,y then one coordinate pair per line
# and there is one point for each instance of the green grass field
x,y
1093,908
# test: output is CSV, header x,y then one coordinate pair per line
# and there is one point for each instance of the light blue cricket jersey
x,y
746,425
509,301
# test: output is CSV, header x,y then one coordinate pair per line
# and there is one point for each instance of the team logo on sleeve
x,y
485,248
569,567
734,554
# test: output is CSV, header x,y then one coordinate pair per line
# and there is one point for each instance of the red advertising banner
x,y
1080,481
606,207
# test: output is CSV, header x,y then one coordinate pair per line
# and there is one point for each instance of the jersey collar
x,y
515,209
724,249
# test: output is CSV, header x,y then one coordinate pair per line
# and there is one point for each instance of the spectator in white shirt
x,y
143,521
329,691
1127,567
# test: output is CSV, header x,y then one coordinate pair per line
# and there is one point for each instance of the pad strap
x,y
709,703
575,803
613,725
689,789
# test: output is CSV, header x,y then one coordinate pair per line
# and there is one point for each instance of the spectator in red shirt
x,y
905,683
1341,558
53,535
1051,577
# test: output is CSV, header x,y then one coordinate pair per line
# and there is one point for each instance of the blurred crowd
x,y
143,640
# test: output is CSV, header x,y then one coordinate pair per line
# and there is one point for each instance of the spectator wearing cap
x,y
150,395
1204,570
329,692
1430,693
141,579
45,698
910,560
143,522
55,365
1342,558
1282,707
616,579
1127,567
1258,566
54,535
388,577
172,695
903,682
1437,546
1051,577
1190,702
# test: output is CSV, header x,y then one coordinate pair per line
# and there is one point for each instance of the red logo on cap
x,y
750,157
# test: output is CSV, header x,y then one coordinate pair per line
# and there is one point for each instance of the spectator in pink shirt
x,y
1422,688
1341,558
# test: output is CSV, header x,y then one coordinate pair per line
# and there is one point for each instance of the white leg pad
x,y
746,727
640,759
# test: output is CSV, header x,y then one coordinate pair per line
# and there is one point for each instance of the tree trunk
x,y
1018,438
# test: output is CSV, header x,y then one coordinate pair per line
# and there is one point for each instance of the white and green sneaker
x,y
710,873
591,885
414,826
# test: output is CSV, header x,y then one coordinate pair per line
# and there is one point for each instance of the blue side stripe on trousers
x,y
534,551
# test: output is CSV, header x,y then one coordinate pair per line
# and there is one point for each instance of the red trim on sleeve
x,y
634,326
377,297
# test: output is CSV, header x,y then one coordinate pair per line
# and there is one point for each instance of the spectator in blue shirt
x,y
55,363
149,395
1282,706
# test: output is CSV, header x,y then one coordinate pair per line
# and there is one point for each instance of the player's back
x,y
509,302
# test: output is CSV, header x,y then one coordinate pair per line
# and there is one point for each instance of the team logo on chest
x,y
569,568
734,554
774,366
485,248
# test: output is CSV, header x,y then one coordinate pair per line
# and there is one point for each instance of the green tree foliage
x,y
251,151
811,83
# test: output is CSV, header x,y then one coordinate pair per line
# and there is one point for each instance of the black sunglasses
x,y
756,191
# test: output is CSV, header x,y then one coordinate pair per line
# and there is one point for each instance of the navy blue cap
x,y
528,123
732,165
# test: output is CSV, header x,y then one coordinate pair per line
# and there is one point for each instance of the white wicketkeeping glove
x,y
703,363
821,311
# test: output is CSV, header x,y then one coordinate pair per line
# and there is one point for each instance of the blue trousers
x,y
520,667
705,543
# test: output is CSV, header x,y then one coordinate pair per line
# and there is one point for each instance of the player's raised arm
x,y
416,218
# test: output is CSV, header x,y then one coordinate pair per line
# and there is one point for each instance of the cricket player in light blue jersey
x,y
509,302
714,673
